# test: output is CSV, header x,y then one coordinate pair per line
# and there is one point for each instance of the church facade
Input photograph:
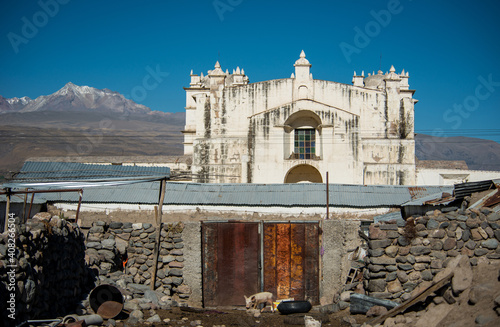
x,y
298,129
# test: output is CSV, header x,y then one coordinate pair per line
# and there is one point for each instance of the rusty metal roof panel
x,y
417,192
433,199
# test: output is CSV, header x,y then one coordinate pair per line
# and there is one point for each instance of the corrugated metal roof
x,y
74,171
466,189
138,193
433,199
19,198
280,195
396,215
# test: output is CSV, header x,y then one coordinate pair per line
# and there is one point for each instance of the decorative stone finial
x,y
302,61
392,70
217,65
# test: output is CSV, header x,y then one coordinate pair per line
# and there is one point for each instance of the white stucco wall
x,y
453,176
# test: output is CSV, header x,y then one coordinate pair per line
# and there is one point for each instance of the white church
x,y
299,128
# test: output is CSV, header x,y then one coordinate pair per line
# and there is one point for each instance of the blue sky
x,y
450,48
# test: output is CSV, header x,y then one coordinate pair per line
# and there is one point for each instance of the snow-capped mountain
x,y
74,98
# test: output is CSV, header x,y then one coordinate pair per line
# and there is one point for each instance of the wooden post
x,y
80,193
31,204
24,206
327,198
158,232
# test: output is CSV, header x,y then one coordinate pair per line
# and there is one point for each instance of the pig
x,y
256,299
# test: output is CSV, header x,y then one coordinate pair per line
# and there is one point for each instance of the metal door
x,y
231,253
291,260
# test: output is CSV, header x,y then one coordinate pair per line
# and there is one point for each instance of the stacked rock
x,y
124,253
51,276
399,259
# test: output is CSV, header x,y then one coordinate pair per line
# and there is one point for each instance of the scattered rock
x,y
154,319
376,311
483,319
462,278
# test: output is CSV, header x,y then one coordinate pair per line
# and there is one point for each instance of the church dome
x,y
374,81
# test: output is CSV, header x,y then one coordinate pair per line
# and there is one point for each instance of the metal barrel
x,y
106,301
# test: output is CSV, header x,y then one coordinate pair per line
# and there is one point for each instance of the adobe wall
x,y
400,258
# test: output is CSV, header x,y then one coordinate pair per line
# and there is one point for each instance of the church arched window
x,y
303,136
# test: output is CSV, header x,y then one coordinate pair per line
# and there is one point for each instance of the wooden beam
x,y
158,232
421,296
80,194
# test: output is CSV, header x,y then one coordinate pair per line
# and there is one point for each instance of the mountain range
x,y
74,98
82,120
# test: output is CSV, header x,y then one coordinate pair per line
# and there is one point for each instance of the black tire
x,y
289,307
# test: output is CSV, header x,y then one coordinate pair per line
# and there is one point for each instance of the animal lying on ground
x,y
256,299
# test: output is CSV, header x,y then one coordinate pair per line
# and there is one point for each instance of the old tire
x,y
289,307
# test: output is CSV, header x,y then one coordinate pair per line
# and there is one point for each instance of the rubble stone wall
x,y
123,254
47,272
400,258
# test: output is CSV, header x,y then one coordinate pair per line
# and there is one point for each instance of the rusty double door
x,y
244,258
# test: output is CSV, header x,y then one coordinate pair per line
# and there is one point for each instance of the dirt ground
x,y
240,317
485,288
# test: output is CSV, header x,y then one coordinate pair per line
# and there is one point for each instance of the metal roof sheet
x,y
74,171
137,193
281,195
147,192
466,189
19,198
395,215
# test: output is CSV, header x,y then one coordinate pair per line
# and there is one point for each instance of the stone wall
x,y
400,258
123,255
48,272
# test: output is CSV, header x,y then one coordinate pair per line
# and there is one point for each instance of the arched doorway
x,y
303,173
